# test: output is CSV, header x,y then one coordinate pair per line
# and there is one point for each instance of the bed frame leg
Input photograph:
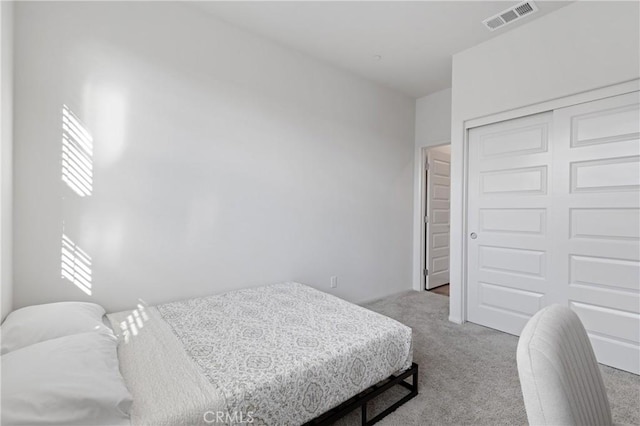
x,y
360,401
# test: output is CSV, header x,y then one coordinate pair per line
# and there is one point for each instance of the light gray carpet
x,y
468,373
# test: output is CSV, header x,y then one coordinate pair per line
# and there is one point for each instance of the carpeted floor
x,y
468,373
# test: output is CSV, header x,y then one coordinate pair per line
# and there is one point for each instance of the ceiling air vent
x,y
510,15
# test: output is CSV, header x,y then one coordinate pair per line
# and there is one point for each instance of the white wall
x,y
220,160
583,46
6,148
433,119
433,127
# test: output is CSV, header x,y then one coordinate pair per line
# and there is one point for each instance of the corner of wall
x,y
6,157
432,127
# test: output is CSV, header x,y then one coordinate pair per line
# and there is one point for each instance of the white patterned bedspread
x,y
281,354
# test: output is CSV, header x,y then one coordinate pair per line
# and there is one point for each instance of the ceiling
x,y
415,40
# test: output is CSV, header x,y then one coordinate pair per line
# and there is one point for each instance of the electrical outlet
x,y
334,281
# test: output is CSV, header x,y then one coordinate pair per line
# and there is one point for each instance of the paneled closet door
x,y
510,248
554,217
596,192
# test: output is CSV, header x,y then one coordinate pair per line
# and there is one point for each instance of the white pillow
x,y
38,323
71,380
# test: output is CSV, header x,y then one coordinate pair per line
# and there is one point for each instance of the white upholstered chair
x,y
560,378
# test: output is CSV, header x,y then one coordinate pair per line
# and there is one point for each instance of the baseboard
x,y
455,319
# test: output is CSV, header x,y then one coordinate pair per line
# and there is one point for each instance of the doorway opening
x,y
436,213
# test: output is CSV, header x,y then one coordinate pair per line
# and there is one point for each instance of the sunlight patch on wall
x,y
77,154
76,265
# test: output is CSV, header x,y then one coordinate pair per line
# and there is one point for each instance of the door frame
x,y
423,196
550,105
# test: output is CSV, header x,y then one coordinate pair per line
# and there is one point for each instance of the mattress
x,y
282,354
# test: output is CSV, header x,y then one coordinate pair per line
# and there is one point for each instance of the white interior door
x,y
597,192
554,217
509,204
437,218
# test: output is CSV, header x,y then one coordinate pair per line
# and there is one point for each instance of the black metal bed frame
x,y
360,400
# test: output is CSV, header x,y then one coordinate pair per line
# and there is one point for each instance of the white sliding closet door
x,y
509,243
597,192
554,217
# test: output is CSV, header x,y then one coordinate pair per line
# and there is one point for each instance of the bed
x,y
283,354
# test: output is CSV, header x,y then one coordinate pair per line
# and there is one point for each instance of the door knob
x,y
473,235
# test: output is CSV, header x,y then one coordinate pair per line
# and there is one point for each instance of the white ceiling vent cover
x,y
510,15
